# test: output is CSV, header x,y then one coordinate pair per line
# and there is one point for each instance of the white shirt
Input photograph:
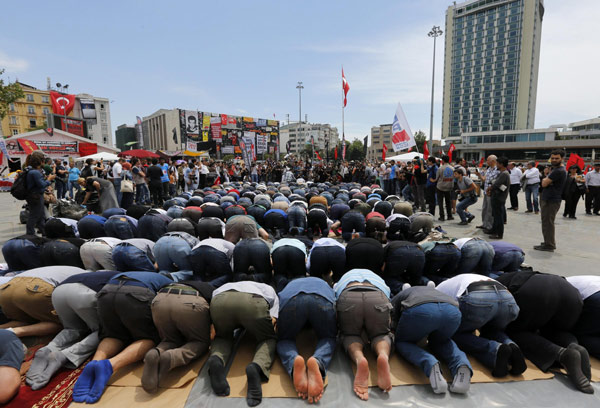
x,y
71,223
587,285
203,169
140,243
324,242
116,170
255,288
515,176
457,285
392,217
54,275
592,178
532,175
461,241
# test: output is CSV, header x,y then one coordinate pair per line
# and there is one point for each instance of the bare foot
x,y
361,379
315,381
384,379
300,378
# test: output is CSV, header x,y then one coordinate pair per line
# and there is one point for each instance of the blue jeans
x,y
130,258
120,227
476,256
254,178
73,185
438,322
153,226
407,193
461,207
508,262
296,218
142,194
404,264
299,310
37,216
441,262
172,254
117,184
61,187
488,311
530,190
22,254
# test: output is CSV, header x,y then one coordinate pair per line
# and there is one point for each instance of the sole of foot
x,y
300,378
384,378
361,379
315,381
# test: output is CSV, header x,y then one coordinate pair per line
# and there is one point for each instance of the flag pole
x,y
343,130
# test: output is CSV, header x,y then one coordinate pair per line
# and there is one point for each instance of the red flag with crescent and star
x,y
62,104
345,87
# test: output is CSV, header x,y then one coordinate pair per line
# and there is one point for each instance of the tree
x,y
8,94
420,140
355,151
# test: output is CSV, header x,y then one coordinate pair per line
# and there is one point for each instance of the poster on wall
x,y
205,135
205,121
192,146
57,147
191,123
85,148
261,144
88,108
215,127
74,126
228,149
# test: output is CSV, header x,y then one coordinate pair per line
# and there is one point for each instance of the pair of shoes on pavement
x,y
543,247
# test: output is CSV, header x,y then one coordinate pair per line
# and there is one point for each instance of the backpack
x,y
19,188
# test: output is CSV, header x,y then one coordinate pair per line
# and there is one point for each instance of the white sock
x,y
438,383
462,380
405,286
431,284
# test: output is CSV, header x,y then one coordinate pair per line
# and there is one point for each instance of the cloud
x,y
12,64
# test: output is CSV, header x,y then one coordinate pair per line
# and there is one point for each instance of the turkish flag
x,y
345,87
481,162
450,150
318,155
575,159
401,136
384,151
335,153
425,151
28,146
62,104
223,119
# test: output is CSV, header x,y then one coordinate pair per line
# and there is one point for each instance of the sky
x,y
245,57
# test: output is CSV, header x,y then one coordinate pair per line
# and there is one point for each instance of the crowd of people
x,y
348,250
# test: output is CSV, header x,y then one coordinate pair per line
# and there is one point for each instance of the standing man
x,y
392,178
164,166
142,194
551,199
204,172
532,188
592,190
488,179
117,169
498,193
515,185
154,175
430,187
445,184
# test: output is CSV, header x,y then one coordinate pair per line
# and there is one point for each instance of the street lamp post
x,y
435,32
63,90
299,87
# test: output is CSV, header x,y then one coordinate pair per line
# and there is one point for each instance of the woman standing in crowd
x,y
36,185
574,189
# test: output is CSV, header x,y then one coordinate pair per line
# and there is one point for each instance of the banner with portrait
x,y
192,127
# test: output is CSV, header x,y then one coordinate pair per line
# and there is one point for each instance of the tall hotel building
x,y
491,63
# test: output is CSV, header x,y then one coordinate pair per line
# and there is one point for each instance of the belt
x,y
178,291
485,285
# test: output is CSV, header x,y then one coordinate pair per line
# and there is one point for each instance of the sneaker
x,y
463,223
528,211
543,248
470,218
441,219
450,218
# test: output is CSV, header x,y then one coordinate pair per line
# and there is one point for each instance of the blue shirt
x,y
151,280
165,170
74,173
36,182
393,172
360,275
97,218
311,285
503,247
93,280
431,174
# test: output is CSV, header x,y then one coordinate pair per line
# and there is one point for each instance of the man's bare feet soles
x,y
315,381
384,379
300,378
361,379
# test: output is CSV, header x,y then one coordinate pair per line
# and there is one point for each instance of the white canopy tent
x,y
405,157
99,156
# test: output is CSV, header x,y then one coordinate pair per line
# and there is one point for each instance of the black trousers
x,y
447,197
593,197
571,205
430,198
288,263
549,309
252,261
514,195
326,259
498,213
156,192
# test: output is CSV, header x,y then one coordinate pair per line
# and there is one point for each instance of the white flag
x,y
402,136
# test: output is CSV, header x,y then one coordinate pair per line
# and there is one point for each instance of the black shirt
x,y
93,280
154,174
206,289
553,192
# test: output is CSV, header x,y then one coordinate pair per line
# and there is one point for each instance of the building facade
x,y
158,129
299,135
126,134
491,60
28,113
95,111
581,137
379,135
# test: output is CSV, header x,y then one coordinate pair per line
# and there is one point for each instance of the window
x,y
31,109
29,97
12,107
32,123
13,120
45,99
15,132
45,110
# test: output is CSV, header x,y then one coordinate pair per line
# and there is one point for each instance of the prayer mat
x,y
280,384
404,373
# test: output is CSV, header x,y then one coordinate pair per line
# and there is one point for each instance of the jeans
x,y
61,252
296,218
254,178
461,207
441,262
302,309
587,329
430,198
22,254
117,184
508,262
37,217
476,256
89,228
211,265
142,194
61,188
130,258
172,254
153,226
532,190
438,322
252,261
288,263
73,185
407,193
120,227
404,264
488,311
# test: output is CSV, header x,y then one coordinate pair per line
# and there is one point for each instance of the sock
x,y
517,361
150,373
55,360
462,380
218,380
437,381
431,284
103,370
84,383
571,361
164,366
502,356
586,368
254,395
405,286
39,363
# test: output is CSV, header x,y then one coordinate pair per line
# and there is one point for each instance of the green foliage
x,y
8,94
420,140
355,151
